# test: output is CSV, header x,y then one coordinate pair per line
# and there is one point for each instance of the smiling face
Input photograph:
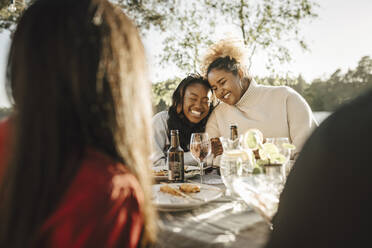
x,y
196,102
225,85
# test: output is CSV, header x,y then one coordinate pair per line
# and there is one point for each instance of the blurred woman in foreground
x,y
78,171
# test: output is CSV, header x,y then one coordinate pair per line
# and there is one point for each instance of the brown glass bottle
x,y
176,170
233,131
234,139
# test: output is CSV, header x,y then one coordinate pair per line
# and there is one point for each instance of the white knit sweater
x,y
277,111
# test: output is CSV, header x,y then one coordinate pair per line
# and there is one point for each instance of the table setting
x,y
183,196
237,207
216,222
160,173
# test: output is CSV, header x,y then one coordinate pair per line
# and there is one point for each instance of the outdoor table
x,y
220,223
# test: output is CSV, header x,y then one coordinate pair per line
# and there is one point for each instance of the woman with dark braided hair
x,y
191,107
74,155
277,111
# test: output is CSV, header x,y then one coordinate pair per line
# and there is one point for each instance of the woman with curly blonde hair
x,y
278,111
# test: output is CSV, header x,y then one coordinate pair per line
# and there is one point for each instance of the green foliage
x,y
328,95
183,47
267,26
9,17
162,94
322,95
188,26
331,93
4,112
148,14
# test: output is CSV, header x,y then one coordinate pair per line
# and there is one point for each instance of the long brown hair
x,y
77,73
177,120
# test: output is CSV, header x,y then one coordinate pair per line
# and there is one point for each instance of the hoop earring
x,y
240,84
215,100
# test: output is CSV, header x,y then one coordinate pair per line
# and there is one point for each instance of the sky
x,y
338,38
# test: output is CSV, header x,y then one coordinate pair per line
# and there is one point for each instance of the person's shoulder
x,y
100,184
100,163
5,140
162,115
109,177
5,124
222,107
5,130
279,89
99,196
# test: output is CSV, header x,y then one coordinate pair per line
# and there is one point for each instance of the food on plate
x,y
168,189
189,170
183,188
160,173
189,188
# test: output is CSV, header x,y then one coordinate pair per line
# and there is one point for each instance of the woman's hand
x,y
216,147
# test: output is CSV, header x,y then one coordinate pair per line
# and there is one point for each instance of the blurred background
x,y
322,49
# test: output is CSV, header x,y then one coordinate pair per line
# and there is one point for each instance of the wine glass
x,y
200,149
257,192
286,152
279,141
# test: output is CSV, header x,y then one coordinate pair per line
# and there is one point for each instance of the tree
x,y
300,86
148,14
363,72
267,25
162,94
9,14
183,48
339,88
188,26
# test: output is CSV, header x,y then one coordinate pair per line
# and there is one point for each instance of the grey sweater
x,y
161,141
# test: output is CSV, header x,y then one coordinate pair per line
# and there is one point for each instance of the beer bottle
x,y
234,141
176,170
233,131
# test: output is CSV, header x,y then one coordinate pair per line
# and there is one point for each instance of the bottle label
x,y
175,169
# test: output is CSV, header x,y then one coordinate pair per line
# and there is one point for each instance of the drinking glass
x,y
258,192
200,148
286,152
229,167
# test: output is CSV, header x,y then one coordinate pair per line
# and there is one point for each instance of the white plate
x,y
190,171
168,202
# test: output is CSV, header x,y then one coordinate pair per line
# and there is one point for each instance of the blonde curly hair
x,y
231,48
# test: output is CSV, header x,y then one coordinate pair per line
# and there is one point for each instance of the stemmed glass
x,y
200,149
279,141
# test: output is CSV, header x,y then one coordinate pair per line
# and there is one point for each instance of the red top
x,y
4,144
101,208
